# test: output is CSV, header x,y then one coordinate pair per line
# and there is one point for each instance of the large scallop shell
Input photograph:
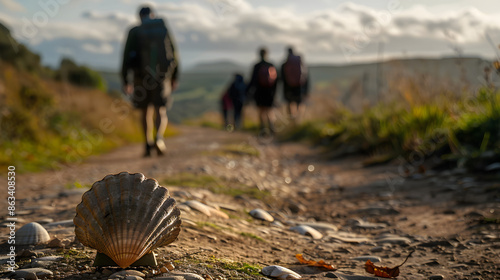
x,y
32,234
125,216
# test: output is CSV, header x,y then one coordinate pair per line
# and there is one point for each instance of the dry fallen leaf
x,y
384,271
321,263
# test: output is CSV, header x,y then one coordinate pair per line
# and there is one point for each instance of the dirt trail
x,y
447,217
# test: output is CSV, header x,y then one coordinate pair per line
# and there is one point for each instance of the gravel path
x,y
348,213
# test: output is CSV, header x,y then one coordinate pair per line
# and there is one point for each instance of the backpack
x,y
295,74
267,76
153,55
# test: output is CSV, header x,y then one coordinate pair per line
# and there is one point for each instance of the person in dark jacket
x,y
263,88
237,93
150,54
295,84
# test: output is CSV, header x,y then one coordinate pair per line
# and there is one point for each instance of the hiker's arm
x,y
173,55
128,87
126,58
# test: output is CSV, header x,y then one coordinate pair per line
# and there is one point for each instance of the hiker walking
x,y
295,84
226,107
149,75
237,94
263,87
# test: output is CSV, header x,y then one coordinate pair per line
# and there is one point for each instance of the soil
x,y
449,218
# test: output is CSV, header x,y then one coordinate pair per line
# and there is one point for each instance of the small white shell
x,y
280,272
307,230
31,234
261,215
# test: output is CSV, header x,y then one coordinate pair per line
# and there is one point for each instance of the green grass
x,y
251,235
42,128
252,270
459,127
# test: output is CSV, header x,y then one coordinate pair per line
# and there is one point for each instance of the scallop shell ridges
x,y
125,216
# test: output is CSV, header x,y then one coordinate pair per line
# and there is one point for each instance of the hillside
x,y
53,117
354,85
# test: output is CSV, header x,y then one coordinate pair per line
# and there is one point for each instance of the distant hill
x,y
17,54
202,84
225,66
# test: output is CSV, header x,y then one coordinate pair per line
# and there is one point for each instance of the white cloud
x,y
12,6
235,27
100,48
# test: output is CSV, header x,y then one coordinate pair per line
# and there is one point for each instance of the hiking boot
x,y
147,152
161,149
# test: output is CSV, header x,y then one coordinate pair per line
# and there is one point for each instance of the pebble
x,y
347,237
64,224
180,276
355,277
107,272
277,271
393,239
20,274
198,206
125,273
277,224
307,230
319,226
56,243
436,277
366,258
45,261
38,272
26,254
217,213
45,221
331,275
260,214
358,223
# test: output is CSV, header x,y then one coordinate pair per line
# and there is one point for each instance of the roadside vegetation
x,y
53,117
459,130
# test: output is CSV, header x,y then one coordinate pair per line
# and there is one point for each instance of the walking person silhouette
x,y
263,88
149,75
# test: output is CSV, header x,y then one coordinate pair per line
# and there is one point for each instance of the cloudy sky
x,y
324,31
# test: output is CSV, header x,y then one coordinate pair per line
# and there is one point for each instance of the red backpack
x,y
267,76
294,71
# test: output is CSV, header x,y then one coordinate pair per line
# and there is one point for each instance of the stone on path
x,y
276,271
198,206
318,226
358,223
125,273
347,237
45,261
344,276
27,272
366,258
179,276
392,239
260,214
307,230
